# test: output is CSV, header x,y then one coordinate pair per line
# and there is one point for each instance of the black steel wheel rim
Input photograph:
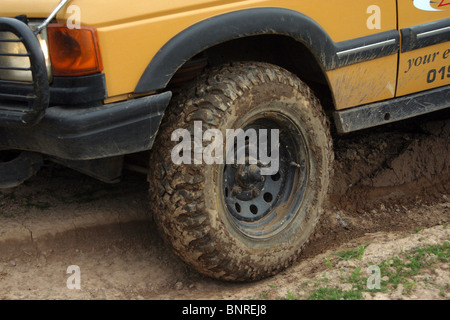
x,y
261,206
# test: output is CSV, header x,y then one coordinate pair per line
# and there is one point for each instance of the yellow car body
x,y
131,36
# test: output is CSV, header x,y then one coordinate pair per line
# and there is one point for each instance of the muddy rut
x,y
389,182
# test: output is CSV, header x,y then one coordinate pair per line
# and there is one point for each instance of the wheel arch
x,y
226,30
279,50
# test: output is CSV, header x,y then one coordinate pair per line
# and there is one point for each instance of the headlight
x,y
14,59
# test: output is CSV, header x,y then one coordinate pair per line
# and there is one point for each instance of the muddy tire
x,y
221,220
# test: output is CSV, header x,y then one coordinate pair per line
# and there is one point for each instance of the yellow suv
x,y
85,83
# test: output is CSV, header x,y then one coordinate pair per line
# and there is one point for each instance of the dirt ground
x,y
391,194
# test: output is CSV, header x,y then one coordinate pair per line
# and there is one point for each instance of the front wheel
x,y
244,219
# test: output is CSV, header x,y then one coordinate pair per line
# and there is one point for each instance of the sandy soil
x,y
391,194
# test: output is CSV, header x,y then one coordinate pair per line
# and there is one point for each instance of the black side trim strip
x,y
380,113
425,35
368,48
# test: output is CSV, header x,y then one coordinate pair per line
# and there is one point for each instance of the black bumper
x,y
92,133
31,120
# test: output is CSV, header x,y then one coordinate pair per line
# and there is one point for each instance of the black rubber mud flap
x,y
13,173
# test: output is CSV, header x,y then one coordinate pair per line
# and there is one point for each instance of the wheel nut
x,y
255,193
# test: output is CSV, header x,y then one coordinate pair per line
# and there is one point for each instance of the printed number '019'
x,y
441,74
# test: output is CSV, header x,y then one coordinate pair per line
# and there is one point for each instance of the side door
x,y
367,38
425,45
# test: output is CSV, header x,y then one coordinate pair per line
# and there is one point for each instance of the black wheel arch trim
x,y
262,21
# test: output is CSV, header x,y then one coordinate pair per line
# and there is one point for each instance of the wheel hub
x,y
248,176
251,196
